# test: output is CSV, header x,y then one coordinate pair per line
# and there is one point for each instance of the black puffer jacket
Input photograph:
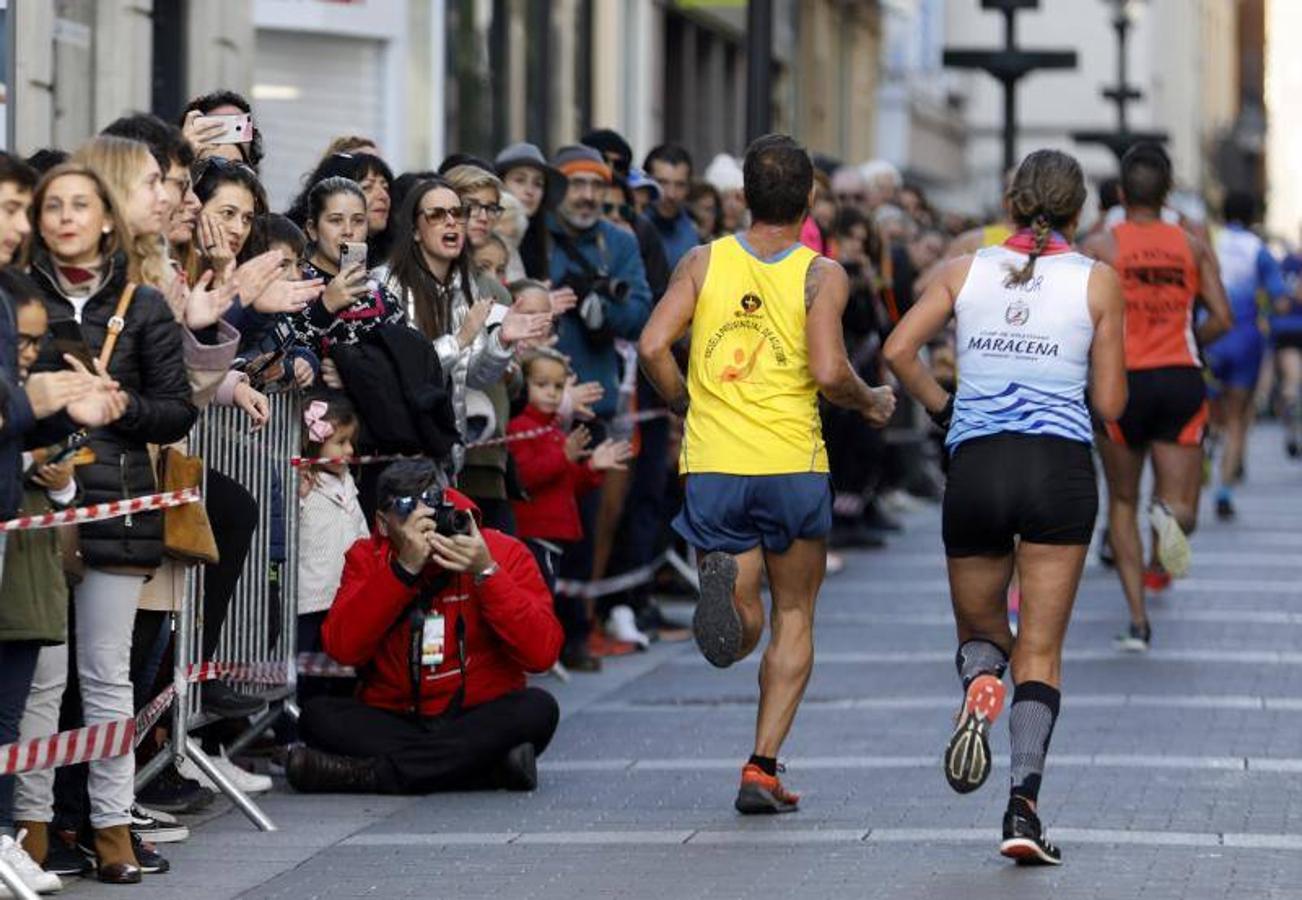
x,y
147,364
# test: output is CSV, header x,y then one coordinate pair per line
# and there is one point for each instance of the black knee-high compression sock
x,y
979,657
1030,723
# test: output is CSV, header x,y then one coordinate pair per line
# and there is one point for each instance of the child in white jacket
x,y
330,520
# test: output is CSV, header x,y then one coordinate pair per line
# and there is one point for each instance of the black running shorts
x,y
1168,405
1035,487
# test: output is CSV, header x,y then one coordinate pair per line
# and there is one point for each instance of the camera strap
x,y
416,612
570,249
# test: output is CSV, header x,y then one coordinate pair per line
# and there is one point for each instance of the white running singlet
x,y
1023,352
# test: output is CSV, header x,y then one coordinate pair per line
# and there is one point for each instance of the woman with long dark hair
x,y
1037,323
430,270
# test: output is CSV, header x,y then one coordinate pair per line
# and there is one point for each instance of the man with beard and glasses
x,y
602,264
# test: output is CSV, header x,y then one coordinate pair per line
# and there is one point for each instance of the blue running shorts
x,y
1235,357
736,513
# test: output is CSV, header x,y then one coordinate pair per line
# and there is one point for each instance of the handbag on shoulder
x,y
187,533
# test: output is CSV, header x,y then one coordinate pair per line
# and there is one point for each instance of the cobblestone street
x,y
1171,775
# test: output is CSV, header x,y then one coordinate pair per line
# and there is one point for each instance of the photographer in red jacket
x,y
442,621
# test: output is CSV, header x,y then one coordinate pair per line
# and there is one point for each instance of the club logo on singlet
x,y
743,341
1017,313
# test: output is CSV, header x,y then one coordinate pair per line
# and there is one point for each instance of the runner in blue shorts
x,y
1247,270
764,313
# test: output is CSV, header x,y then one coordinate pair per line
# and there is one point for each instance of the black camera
x,y
602,285
449,520
446,517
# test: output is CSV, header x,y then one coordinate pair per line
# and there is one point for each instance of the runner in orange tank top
x,y
1164,271
1159,279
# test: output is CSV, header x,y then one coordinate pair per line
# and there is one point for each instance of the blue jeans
x,y
17,665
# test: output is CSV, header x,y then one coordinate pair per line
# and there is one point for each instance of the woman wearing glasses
x,y
483,477
352,303
430,271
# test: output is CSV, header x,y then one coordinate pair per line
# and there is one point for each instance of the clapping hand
x,y
611,455
582,397
205,306
576,444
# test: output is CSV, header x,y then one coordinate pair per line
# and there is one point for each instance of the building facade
x,y
427,77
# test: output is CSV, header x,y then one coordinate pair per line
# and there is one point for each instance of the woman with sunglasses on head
x,y
352,303
80,261
430,270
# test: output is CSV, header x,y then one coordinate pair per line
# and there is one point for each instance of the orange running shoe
x,y
1156,578
967,758
763,794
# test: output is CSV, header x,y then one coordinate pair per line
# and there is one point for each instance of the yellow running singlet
x,y
994,234
753,401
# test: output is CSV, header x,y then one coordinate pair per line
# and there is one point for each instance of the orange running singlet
x,y
1159,278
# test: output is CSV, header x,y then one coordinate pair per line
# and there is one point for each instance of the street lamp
x,y
1010,65
1125,13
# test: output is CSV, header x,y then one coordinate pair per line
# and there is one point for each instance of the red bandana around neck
x,y
1024,242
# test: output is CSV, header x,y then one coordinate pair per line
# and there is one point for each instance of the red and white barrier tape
x,y
101,741
98,512
299,461
318,665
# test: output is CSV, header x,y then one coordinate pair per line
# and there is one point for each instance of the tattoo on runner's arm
x,y
813,281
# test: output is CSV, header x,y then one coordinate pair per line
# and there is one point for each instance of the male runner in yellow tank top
x,y
765,319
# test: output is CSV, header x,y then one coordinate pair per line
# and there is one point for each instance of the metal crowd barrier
x,y
258,636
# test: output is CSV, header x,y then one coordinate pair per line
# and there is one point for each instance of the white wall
x,y
1167,58
1284,113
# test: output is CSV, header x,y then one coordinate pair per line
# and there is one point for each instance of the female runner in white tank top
x,y
1035,322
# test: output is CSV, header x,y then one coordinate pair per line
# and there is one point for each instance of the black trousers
x,y
438,753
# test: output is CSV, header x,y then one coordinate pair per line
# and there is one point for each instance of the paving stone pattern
x,y
1178,775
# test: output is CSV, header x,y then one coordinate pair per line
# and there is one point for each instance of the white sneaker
x,y
1172,543
36,878
157,815
622,626
246,781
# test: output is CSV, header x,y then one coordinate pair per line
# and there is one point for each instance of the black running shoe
x,y
1137,639
716,623
1024,839
1106,555
65,857
174,794
967,757
1225,509
151,861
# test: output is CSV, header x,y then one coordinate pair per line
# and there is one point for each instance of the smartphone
x,y
237,128
350,253
67,339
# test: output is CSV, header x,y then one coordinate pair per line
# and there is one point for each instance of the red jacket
x,y
553,482
510,628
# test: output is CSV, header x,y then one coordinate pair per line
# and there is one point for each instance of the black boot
x,y
518,770
317,772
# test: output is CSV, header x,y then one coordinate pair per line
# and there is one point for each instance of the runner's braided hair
x,y
1046,194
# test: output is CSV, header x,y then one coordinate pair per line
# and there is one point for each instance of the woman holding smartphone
x,y
81,263
352,303
1037,324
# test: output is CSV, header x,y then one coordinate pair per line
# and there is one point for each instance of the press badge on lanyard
x,y
431,641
